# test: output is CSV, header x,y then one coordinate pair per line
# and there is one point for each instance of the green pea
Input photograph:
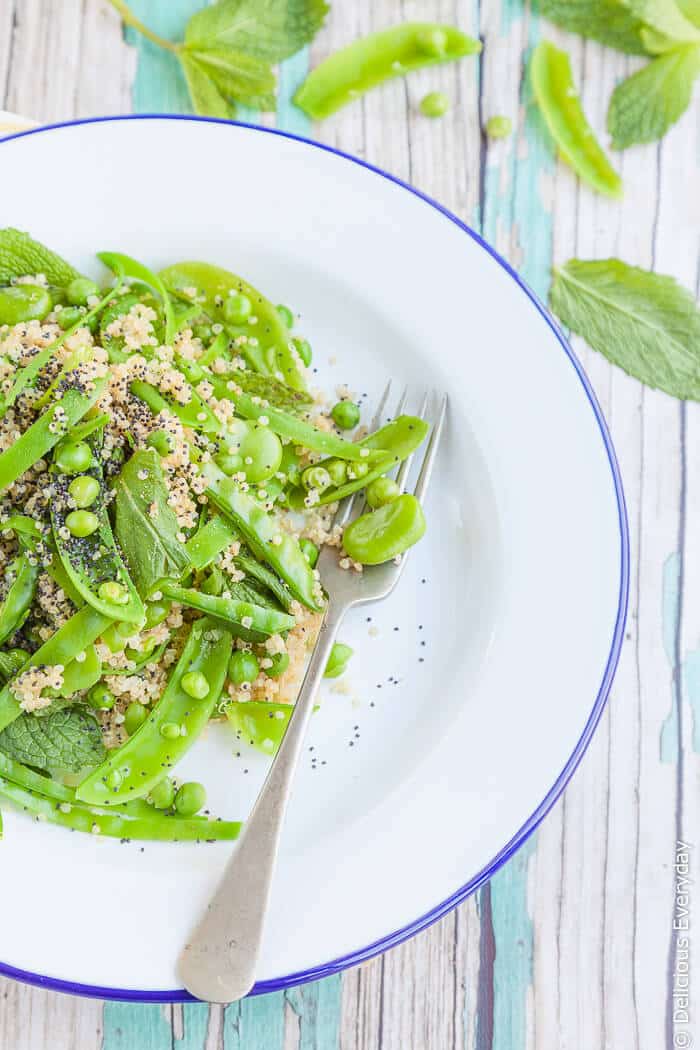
x,y
100,697
253,449
114,592
170,730
433,41
499,127
82,523
161,441
143,653
114,779
162,794
310,551
84,490
237,308
190,798
357,470
213,583
156,612
203,332
69,316
195,684
79,291
73,457
280,663
303,348
346,414
337,471
134,717
381,491
116,634
243,667
434,104
286,315
316,478
24,302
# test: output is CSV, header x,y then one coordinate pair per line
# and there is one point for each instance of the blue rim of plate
x,y
361,955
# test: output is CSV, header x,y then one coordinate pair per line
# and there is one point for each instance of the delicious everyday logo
x,y
681,925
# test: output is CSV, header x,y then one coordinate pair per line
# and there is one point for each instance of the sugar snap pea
x,y
245,619
142,760
14,609
24,302
209,541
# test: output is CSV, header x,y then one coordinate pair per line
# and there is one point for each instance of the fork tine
x,y
402,401
406,465
431,453
377,418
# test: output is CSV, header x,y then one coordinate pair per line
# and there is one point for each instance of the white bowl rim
x,y
526,830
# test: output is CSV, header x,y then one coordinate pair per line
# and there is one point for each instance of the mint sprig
x,y
643,322
229,49
66,740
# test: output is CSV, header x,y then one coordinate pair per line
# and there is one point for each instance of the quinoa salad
x,y
167,478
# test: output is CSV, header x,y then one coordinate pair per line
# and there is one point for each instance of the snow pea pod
x,y
46,432
257,571
78,676
385,533
289,426
397,440
560,105
349,73
24,302
92,562
209,541
156,826
83,628
246,620
260,531
195,414
141,761
215,285
18,600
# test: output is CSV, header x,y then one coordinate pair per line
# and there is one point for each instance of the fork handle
x,y
219,962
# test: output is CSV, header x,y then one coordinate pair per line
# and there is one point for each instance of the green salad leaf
x,y
20,255
267,29
648,103
145,524
644,322
66,740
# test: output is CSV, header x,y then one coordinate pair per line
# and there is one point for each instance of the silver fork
x,y
219,962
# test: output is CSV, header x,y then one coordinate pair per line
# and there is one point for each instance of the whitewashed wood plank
x,y
33,1019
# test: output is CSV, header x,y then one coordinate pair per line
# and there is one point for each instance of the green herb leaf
x,y
666,25
645,323
67,740
148,540
206,98
648,103
268,29
238,76
560,105
21,255
606,21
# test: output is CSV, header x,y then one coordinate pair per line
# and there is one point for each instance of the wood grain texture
x,y
571,945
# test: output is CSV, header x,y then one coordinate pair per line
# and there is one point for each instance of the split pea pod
x,y
18,600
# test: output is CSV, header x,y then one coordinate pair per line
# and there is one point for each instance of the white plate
x,y
518,591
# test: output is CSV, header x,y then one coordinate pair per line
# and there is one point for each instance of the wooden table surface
x,y
571,944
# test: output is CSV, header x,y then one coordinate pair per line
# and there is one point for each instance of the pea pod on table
x,y
216,286
90,558
160,742
349,73
264,537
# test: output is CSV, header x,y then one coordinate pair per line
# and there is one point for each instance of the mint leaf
x,y
648,103
606,21
238,76
206,98
643,322
268,29
67,740
667,26
21,255
145,524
